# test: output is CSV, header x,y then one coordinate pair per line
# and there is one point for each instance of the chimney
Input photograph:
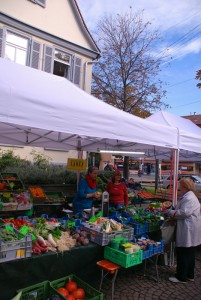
x,y
194,113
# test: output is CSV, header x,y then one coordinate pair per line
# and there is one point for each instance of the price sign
x,y
77,164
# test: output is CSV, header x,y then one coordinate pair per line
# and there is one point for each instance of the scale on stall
x,y
105,204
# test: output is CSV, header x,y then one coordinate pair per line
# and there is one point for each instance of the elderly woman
x,y
188,232
87,191
118,194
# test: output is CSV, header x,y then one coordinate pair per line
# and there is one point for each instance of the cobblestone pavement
x,y
131,284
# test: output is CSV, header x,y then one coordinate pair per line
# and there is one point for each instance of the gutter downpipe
x,y
80,152
85,71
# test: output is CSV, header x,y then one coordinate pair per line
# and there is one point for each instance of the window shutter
x,y
77,70
48,59
1,41
35,55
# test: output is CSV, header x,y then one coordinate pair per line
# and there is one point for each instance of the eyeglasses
x,y
117,175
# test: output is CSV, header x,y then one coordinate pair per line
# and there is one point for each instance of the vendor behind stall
x,y
118,194
87,191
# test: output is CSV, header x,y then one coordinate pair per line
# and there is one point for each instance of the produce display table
x,y
19,274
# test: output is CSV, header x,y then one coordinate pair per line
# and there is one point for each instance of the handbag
x,y
168,231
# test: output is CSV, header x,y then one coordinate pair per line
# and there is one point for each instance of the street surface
x,y
131,284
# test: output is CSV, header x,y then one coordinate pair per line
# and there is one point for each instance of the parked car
x,y
196,179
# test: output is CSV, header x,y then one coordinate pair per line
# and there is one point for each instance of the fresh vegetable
x,y
65,242
37,192
71,286
63,291
36,251
3,185
81,238
41,241
38,248
8,235
79,293
42,248
51,240
70,297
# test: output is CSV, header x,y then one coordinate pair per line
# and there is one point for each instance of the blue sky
x,y
179,22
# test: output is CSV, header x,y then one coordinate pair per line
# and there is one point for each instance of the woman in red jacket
x,y
118,194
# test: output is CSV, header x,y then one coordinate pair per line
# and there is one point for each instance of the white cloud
x,y
173,18
193,47
163,13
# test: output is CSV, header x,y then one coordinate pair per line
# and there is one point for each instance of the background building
x,y
196,119
51,36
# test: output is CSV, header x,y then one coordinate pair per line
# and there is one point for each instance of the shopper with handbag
x,y
188,231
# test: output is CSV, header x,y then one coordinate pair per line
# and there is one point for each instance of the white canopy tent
x,y
189,134
189,137
189,140
43,110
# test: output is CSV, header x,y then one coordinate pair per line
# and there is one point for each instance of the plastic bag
x,y
168,231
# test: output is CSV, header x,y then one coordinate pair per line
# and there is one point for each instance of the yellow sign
x,y
77,164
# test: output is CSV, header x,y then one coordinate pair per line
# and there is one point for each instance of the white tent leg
x,y
175,176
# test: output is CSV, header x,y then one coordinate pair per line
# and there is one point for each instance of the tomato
x,y
63,291
70,297
71,286
79,293
53,220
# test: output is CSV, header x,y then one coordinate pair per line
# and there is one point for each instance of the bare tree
x,y
126,76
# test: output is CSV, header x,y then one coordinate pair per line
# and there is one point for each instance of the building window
x,y
16,48
62,63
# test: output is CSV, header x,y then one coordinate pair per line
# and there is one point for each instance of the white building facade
x,y
49,35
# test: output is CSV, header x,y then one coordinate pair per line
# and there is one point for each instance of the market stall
x,y
51,114
127,237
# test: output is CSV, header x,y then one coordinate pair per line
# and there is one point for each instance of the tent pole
x,y
156,174
175,182
80,155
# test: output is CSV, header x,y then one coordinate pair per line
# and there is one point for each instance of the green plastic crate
x,y
90,292
40,291
123,259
